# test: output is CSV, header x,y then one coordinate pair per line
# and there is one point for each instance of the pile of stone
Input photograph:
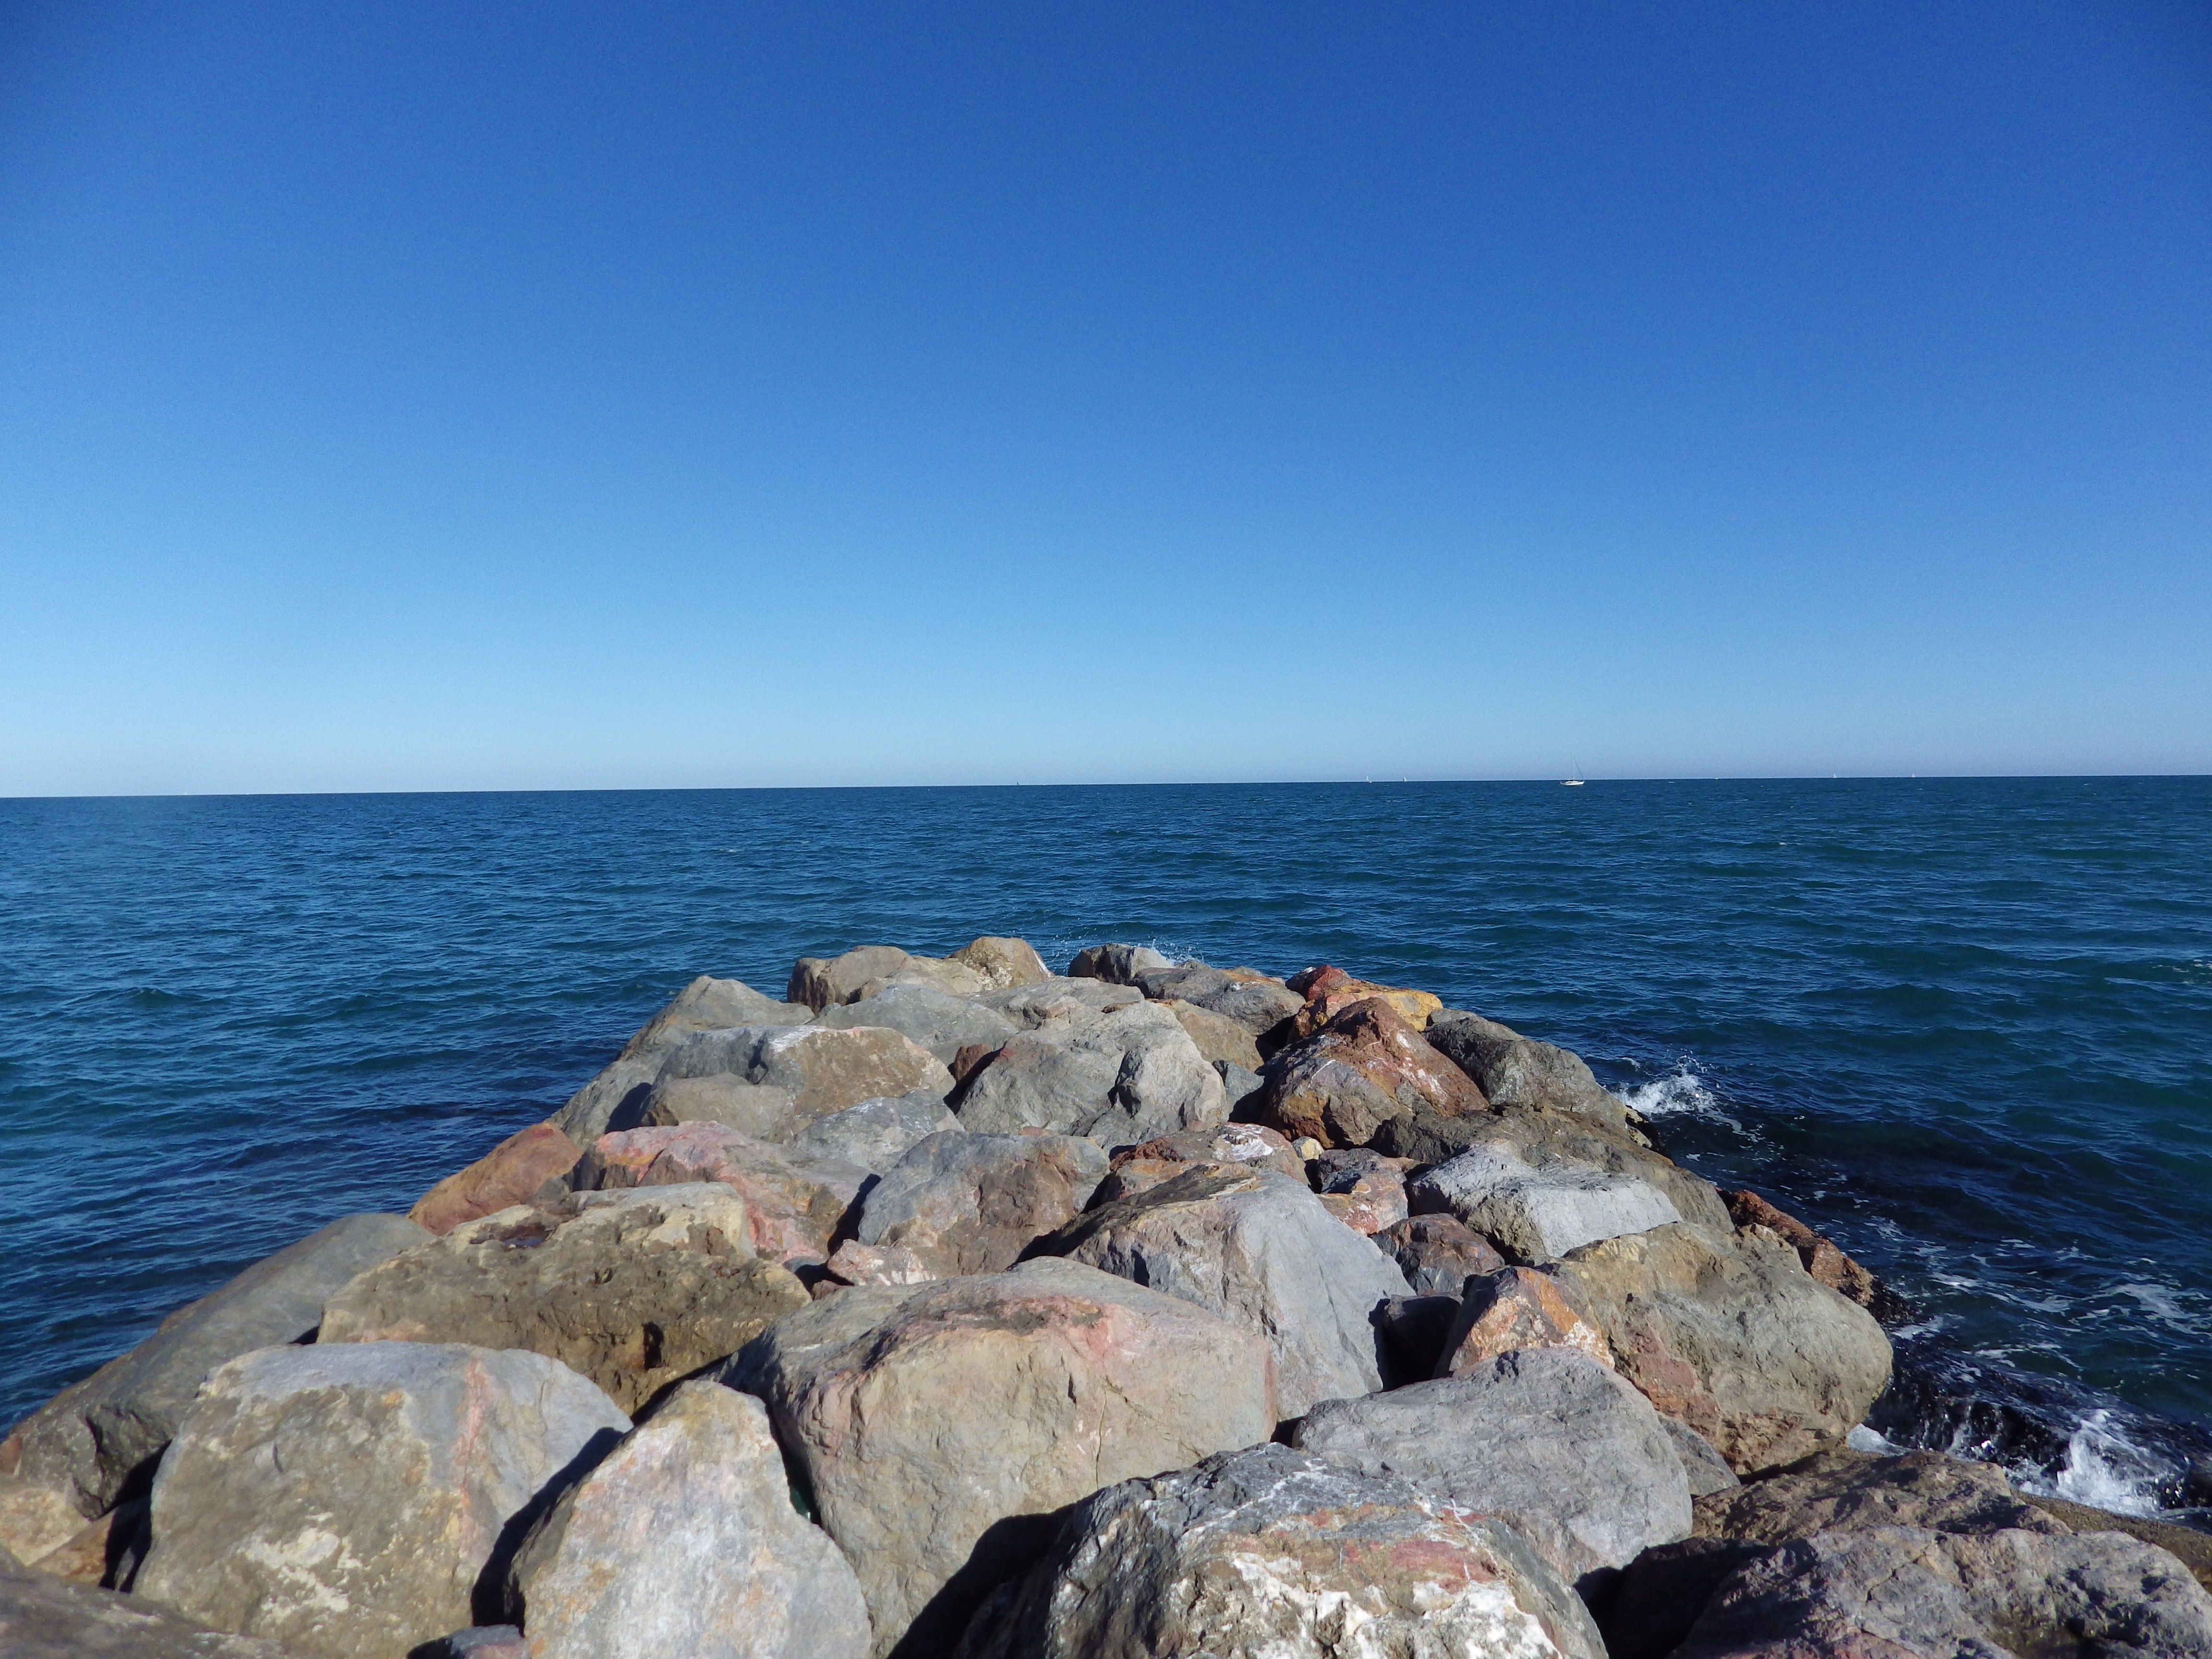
x,y
950,1306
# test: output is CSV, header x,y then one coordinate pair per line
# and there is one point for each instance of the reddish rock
x,y
792,1206
1330,991
513,1172
1130,1175
1438,1254
972,1058
1365,1068
1370,1205
1828,1265
1227,1143
1518,1308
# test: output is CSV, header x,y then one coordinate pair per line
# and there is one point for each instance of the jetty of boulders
x,y
950,1306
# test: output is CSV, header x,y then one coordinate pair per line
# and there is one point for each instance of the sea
x,y
1964,1027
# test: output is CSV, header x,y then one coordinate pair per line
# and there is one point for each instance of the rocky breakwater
x,y
949,1306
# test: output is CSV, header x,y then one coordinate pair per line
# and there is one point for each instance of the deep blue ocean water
x,y
1963,1026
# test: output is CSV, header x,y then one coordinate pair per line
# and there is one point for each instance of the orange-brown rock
x,y
1330,991
1828,1265
1363,1068
1227,1143
513,1172
1218,1037
1370,1205
1517,1308
793,1204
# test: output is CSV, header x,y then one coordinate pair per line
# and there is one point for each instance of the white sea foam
x,y
2160,1302
2103,1468
1864,1439
1681,1092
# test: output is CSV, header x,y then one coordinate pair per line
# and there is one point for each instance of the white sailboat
x,y
1574,782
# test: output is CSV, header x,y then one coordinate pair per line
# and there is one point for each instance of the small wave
x,y
2160,1303
2103,1468
1680,1093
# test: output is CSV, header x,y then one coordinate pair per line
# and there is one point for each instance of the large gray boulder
x,y
682,1542
41,1617
931,1018
938,1427
1515,1071
1271,1551
631,1288
876,1133
1059,1001
1899,1591
1547,1440
1728,1333
1846,1490
761,1109
1117,964
1537,1215
84,1444
1547,1138
1259,1250
345,1500
967,1203
823,1070
1121,1078
704,1005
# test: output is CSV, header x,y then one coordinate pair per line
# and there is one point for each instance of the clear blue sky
x,y
496,395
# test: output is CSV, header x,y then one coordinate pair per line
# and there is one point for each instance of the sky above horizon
x,y
565,396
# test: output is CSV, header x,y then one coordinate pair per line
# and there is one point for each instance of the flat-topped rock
x,y
793,1204
1270,1552
1846,1490
1533,1214
1549,1441
939,1428
819,982
824,1070
631,1289
927,1017
344,1500
1515,1071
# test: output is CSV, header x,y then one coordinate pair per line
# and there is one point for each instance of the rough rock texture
x,y
968,1203
513,1172
106,1553
1538,1215
926,1016
37,1518
1548,1441
704,1005
43,1618
1517,1071
1227,1143
1269,1552
1548,1140
631,1288
824,1070
876,1133
855,1263
1851,1491
1709,1472
1004,963
761,1109
86,1442
939,1428
1901,1591
1732,1336
1252,1002
1117,964
1517,1308
344,1500
1330,991
1046,1002
819,982
682,1542
1438,1254
1221,1040
2192,1548
793,1205
941,974
1358,1072
1260,1250
1828,1265
1121,1078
